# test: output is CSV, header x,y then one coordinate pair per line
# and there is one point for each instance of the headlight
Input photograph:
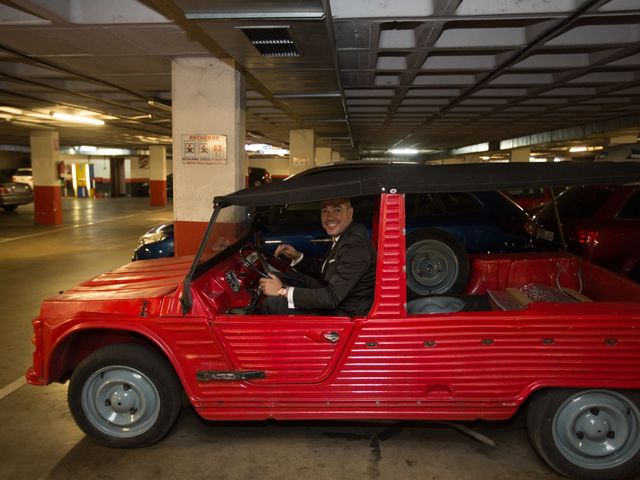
x,y
148,238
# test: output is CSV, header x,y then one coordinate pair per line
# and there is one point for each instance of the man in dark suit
x,y
340,284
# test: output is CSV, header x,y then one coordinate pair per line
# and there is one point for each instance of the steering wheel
x,y
267,263
264,269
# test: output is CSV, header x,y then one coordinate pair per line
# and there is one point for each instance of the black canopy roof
x,y
353,179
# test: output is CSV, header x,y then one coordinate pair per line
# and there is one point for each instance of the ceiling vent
x,y
272,41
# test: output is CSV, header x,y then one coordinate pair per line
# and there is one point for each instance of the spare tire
x,y
437,263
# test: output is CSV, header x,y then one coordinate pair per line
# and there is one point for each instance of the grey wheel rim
x,y
120,401
597,429
433,267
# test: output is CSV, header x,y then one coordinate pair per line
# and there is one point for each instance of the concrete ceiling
x,y
366,75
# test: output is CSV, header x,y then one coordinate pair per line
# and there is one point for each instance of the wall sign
x,y
200,149
301,162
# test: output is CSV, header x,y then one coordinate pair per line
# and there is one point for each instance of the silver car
x,y
13,194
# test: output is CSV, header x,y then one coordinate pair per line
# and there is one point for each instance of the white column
x,y
302,149
208,144
323,155
629,138
520,154
47,193
158,175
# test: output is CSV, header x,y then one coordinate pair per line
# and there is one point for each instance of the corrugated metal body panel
x,y
391,294
123,290
461,366
293,350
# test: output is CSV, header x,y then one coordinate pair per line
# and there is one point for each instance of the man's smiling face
x,y
336,215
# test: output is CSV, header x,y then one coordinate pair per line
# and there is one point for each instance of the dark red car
x,y
600,223
549,333
530,199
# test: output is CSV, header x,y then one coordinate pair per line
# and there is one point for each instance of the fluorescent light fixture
x,y
578,149
537,159
485,157
106,152
15,111
65,117
265,149
403,151
160,105
478,147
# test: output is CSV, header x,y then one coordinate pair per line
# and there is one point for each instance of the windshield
x,y
232,224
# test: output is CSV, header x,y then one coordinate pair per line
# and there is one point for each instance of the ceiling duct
x,y
272,41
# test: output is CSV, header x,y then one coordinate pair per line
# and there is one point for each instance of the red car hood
x,y
122,290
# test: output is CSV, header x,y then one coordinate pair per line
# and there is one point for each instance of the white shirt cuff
x,y
290,298
297,260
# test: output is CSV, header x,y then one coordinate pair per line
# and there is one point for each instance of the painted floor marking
x,y
12,387
70,227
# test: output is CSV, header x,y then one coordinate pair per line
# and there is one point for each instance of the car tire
x,y
9,208
587,434
437,264
125,396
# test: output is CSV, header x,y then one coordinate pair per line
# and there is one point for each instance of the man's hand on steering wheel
x,y
270,286
288,251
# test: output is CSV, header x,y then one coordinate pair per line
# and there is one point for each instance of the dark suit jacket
x,y
346,284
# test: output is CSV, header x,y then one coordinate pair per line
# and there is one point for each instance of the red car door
x,y
288,349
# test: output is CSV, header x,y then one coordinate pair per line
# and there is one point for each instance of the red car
x,y
530,199
547,332
600,223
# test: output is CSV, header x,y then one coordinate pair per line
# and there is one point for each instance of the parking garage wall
x,y
11,161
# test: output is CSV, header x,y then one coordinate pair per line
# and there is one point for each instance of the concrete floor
x,y
39,440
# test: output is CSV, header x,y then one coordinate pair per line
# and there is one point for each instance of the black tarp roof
x,y
353,179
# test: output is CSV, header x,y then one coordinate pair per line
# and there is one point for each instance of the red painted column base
x,y
158,192
188,235
47,205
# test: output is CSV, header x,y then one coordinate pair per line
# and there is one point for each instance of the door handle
x,y
332,337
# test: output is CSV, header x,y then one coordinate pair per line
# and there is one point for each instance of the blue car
x,y
442,229
157,242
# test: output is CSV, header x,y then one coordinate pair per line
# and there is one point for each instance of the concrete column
x,y
302,150
323,155
158,175
335,156
208,146
47,193
453,160
520,154
629,138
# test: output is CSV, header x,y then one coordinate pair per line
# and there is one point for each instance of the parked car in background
x,y
530,199
143,190
13,194
442,229
157,242
600,223
23,175
257,176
